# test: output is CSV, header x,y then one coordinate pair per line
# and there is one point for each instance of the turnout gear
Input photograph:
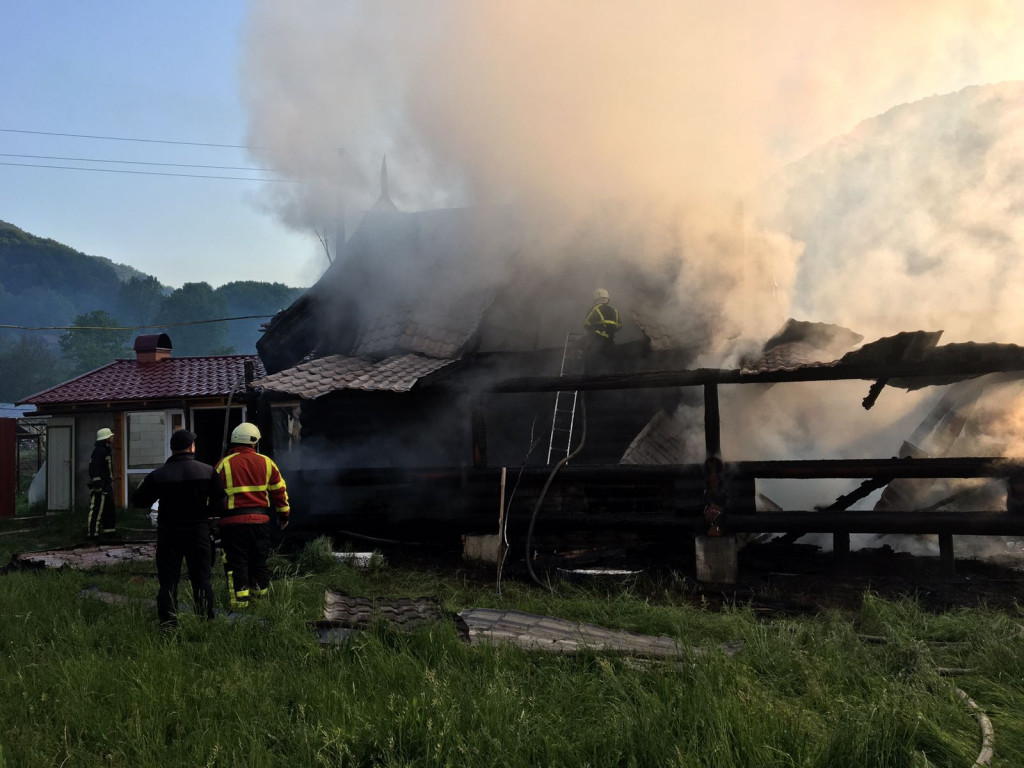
x,y
603,319
254,486
190,493
101,517
245,434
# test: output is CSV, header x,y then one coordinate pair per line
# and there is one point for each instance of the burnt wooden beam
x,y
946,554
879,468
712,422
688,378
907,522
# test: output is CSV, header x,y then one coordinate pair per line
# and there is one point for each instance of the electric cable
x,y
123,138
135,162
145,173
544,491
128,327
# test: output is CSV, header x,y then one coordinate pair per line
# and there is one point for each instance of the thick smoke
x,y
689,112
675,106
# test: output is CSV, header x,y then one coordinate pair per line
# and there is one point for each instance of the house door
x,y
59,468
212,426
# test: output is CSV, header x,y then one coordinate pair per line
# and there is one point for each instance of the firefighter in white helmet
x,y
101,485
602,322
254,488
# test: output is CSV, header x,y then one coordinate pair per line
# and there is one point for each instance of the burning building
x,y
435,375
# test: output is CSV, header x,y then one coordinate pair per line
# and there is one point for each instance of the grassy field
x,y
84,683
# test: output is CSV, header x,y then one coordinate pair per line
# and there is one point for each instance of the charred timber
x,y
653,379
793,469
909,522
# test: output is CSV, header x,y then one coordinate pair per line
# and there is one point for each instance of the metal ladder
x,y
564,416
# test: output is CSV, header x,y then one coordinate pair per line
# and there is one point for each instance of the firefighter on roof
x,y
254,486
101,485
602,321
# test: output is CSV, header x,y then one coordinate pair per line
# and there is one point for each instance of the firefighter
x,y
190,493
254,486
101,486
602,321
601,324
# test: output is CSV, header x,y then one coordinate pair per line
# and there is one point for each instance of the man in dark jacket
x,y
101,485
190,493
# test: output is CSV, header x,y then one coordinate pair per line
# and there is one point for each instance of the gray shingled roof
x,y
662,441
315,378
431,331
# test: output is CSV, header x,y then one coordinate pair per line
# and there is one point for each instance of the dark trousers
x,y
101,512
191,543
246,546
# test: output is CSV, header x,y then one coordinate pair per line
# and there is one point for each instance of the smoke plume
x,y
678,107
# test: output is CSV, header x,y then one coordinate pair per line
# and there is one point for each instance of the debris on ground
x,y
84,558
548,633
345,614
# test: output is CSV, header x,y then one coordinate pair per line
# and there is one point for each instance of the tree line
x,y
35,360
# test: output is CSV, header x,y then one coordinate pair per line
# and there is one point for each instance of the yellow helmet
x,y
104,434
245,434
601,296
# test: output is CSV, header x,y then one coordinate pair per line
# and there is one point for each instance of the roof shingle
x,y
174,378
310,380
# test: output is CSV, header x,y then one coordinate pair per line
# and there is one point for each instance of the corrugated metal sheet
x,y
311,380
171,379
802,344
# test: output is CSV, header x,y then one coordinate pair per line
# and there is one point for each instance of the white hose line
x,y
988,735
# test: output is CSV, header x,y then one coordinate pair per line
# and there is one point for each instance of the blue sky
x,y
126,69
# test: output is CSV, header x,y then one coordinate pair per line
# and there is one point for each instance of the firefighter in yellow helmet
x,y
101,486
602,322
254,487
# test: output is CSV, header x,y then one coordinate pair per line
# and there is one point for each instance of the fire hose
x,y
544,491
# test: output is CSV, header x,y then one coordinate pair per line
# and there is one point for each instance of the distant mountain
x,y
43,282
46,283
915,219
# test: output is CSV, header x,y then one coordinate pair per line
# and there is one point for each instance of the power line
x,y
127,327
123,138
145,173
136,162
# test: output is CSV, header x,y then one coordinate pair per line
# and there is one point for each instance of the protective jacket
x,y
189,491
253,485
101,467
603,321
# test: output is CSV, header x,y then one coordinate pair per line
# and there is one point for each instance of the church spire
x,y
384,202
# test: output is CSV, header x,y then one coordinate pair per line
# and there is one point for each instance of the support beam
x,y
946,555
712,422
942,522
926,371
841,551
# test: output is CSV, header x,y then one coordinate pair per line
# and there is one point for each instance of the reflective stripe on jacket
x,y
253,484
603,319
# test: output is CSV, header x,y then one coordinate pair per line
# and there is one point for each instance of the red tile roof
x,y
171,379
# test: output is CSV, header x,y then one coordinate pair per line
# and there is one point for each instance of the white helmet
x,y
245,434
104,434
601,296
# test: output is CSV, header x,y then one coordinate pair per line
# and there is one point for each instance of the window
x,y
149,434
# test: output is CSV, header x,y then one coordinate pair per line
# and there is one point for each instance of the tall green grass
x,y
83,683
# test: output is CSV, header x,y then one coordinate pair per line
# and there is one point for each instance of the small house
x,y
143,400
